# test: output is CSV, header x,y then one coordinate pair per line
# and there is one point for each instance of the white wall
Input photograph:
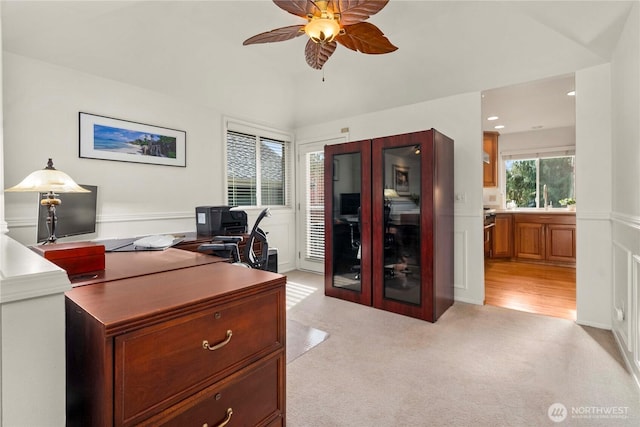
x,y
42,102
593,190
625,78
3,223
538,139
458,117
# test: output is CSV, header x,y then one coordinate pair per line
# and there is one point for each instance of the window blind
x,y
241,169
273,172
258,169
315,206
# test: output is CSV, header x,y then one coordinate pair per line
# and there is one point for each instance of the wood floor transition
x,y
534,288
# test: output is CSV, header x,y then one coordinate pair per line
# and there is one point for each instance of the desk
x,y
191,241
121,265
175,338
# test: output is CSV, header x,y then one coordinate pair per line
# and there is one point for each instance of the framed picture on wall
x,y
107,138
401,180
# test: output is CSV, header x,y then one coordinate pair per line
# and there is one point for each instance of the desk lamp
x,y
389,194
50,181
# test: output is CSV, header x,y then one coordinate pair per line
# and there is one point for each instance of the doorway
x,y
535,124
310,218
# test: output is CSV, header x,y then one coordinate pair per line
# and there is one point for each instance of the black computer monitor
x,y
349,203
76,214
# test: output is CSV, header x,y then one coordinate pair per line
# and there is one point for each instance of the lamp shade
x,y
390,193
46,180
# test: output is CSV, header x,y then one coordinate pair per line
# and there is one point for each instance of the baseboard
x,y
594,325
468,301
627,362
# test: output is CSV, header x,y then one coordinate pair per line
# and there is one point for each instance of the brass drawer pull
x,y
225,421
206,346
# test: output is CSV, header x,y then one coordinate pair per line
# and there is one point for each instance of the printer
x,y
220,220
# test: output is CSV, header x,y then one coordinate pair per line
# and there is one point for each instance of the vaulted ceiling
x,y
445,47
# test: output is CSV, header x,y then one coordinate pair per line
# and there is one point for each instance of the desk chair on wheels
x,y
228,246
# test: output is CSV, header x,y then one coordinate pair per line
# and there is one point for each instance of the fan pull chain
x,y
323,75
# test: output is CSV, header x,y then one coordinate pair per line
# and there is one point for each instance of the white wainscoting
x,y
281,234
460,245
621,293
626,293
468,257
635,330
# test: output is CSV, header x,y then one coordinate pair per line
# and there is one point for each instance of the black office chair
x,y
258,235
392,250
227,246
356,245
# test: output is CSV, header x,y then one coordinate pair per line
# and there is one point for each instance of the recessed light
x,y
499,127
572,93
493,118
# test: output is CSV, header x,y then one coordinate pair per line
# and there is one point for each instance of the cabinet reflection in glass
x,y
347,187
401,225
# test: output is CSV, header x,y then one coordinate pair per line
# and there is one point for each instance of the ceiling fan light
x,y
322,30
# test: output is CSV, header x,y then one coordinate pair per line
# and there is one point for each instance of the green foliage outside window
x,y
524,176
521,182
558,174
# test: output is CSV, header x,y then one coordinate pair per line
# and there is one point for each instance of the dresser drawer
x,y
157,366
228,400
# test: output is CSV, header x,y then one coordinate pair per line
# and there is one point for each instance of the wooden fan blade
x,y
317,54
354,11
366,38
300,8
277,35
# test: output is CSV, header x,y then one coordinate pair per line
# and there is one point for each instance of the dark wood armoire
x,y
389,223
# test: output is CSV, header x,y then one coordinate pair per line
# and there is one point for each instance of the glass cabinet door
x,y
400,270
347,221
398,235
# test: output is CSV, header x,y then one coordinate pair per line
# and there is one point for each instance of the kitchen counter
x,y
535,235
535,211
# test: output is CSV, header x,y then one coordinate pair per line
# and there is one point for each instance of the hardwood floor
x,y
542,289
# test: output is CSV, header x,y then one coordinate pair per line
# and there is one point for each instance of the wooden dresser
x,y
201,344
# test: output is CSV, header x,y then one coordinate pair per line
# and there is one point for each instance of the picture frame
x,y
107,138
401,180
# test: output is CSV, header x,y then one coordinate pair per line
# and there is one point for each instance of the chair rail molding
x,y
632,221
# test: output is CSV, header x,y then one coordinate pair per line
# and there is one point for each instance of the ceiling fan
x,y
328,22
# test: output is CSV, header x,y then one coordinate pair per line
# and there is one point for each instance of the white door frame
x,y
302,149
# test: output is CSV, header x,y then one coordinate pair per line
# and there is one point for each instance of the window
x,y
315,205
527,175
258,170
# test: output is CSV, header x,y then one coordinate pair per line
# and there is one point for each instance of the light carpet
x,y
476,366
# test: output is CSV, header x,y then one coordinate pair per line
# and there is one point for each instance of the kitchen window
x,y
526,176
258,166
